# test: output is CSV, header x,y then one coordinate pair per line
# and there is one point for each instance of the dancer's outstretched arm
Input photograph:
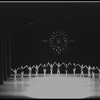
x,y
88,67
69,64
25,67
18,68
33,67
12,70
98,68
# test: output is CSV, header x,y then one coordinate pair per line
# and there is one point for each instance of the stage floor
x,y
54,86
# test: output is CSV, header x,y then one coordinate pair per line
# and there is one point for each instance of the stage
x,y
50,86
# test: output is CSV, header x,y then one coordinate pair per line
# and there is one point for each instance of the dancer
x,y
58,69
44,69
44,72
47,67
66,72
15,72
66,69
99,71
93,73
36,70
82,74
51,69
89,68
22,72
30,70
74,69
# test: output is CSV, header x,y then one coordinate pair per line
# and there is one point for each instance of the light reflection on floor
x,y
51,87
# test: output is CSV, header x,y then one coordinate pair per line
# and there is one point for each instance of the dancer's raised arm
x,y
12,70
26,66
69,64
97,68
17,69
33,66
88,67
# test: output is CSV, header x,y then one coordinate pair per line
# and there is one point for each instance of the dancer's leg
x,y
44,72
15,77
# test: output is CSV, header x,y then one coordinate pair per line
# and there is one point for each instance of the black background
x,y
28,27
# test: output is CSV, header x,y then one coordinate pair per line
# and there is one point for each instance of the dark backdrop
x,y
30,23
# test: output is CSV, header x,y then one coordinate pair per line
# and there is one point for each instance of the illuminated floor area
x,y
51,87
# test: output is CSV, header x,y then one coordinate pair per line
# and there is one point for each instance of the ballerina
x,y
51,69
30,70
22,72
93,74
36,70
44,69
58,69
15,72
99,71
66,69
74,69
44,72
82,74
89,68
